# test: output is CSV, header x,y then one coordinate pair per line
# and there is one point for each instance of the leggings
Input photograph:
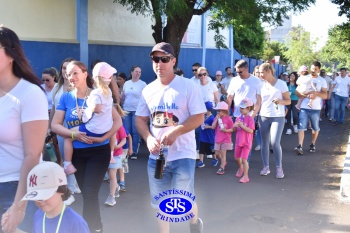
x,y
271,130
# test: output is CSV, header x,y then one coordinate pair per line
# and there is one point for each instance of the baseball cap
x,y
164,48
104,70
285,73
221,106
209,105
218,72
303,69
246,103
43,181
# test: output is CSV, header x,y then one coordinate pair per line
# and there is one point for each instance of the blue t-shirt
x,y
291,89
67,103
71,222
207,135
126,145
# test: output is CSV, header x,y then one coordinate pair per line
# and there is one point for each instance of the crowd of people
x,y
100,120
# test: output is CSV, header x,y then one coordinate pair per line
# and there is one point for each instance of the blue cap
x,y
209,105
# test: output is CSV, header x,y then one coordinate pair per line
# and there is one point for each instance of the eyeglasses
x,y
240,72
46,80
204,74
164,59
194,70
75,73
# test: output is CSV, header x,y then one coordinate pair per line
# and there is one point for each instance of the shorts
x,y
117,164
223,146
206,148
178,174
242,152
305,115
82,128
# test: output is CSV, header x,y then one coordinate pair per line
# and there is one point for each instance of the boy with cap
x,y
207,135
97,118
47,186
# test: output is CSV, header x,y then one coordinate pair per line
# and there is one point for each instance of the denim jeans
x,y
309,114
331,111
91,164
340,104
71,178
7,195
271,129
129,122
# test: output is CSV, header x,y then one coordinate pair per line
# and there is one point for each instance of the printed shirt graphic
x,y
168,107
242,137
223,137
68,104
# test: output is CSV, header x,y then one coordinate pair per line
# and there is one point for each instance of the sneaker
x,y
265,171
221,171
244,179
122,186
279,173
77,189
289,131
133,156
299,150
117,192
70,169
197,227
214,162
331,119
106,177
258,147
200,164
110,200
70,200
209,156
295,128
239,172
312,148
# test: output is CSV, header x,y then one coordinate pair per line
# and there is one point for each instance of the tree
x,y
273,48
337,48
179,14
301,49
344,7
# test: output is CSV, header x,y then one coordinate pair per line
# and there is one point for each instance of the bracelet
x,y
73,135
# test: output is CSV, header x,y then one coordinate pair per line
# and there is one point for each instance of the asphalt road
x,y
306,200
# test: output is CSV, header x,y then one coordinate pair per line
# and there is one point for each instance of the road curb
x,y
345,177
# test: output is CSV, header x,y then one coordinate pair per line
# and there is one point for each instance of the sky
x,y
318,18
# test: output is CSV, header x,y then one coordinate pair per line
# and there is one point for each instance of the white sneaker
x,y
209,156
77,189
295,127
258,147
289,131
70,200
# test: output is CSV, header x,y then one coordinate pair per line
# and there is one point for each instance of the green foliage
x,y
344,7
272,49
337,48
300,48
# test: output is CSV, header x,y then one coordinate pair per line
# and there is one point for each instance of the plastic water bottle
x,y
50,152
125,165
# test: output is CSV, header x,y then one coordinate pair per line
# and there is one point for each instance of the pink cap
x,y
218,72
104,70
246,103
221,106
303,69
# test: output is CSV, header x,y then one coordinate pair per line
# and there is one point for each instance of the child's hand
x,y
130,151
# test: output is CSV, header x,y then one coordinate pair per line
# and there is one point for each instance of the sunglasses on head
x,y
164,59
204,74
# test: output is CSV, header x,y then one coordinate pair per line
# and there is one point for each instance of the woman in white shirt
x,y
132,90
23,127
274,97
49,77
208,89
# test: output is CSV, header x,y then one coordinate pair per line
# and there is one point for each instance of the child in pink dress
x,y
244,127
223,126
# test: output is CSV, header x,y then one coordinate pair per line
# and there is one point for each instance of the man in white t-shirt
x,y
195,77
313,114
225,83
341,86
169,110
244,85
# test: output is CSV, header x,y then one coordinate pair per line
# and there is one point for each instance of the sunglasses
x,y
204,74
46,80
194,70
164,59
240,72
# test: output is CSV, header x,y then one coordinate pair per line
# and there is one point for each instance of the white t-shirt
x,y
329,81
102,122
219,89
132,91
319,83
197,81
342,86
243,88
56,97
168,107
208,91
269,93
226,82
304,83
25,102
48,96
